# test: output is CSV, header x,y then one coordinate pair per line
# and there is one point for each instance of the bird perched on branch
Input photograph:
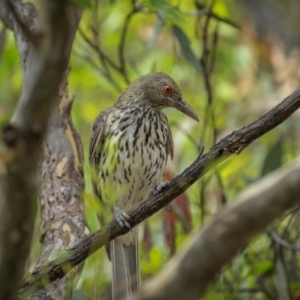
x,y
129,147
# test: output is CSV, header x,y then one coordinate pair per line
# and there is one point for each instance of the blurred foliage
x,y
231,71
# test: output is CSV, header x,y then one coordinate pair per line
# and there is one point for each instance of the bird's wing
x,y
95,145
170,144
124,258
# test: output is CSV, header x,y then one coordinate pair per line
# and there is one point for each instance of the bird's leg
x,y
122,217
158,188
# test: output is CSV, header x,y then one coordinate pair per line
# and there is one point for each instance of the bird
x,y
129,147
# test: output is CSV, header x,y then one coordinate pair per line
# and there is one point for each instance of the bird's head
x,y
157,90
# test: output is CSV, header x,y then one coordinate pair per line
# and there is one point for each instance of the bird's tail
x,y
125,268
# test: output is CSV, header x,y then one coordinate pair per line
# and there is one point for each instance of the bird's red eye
x,y
167,89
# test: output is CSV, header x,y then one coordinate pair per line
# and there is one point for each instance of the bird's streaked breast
x,y
133,157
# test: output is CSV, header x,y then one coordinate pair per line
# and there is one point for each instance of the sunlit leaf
x,y
186,49
155,4
93,203
155,261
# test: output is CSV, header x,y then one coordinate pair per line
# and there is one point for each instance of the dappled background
x,y
233,65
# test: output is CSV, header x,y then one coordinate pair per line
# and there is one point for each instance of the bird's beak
x,y
184,107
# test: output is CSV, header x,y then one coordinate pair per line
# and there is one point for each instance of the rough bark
x,y
231,144
63,222
44,44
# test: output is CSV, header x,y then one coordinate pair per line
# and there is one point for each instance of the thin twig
x,y
206,11
102,57
207,62
122,45
190,137
292,215
282,242
97,49
124,31
93,64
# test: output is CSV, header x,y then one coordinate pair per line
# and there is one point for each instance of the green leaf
x,y
165,9
155,4
154,263
158,28
153,67
262,267
186,50
273,159
83,3
173,14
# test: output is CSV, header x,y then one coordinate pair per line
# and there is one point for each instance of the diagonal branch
x,y
189,273
231,144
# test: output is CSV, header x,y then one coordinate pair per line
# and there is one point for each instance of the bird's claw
x,y
158,188
122,218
